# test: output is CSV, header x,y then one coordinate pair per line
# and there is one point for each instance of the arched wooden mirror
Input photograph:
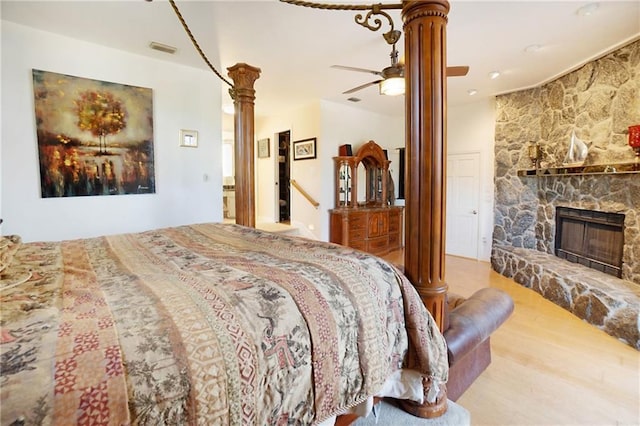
x,y
361,191
376,167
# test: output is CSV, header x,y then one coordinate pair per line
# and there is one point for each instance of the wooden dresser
x,y
363,218
377,230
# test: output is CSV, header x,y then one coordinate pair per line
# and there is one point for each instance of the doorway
x,y
463,187
228,181
283,190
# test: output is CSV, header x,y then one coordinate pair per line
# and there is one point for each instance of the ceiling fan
x,y
392,77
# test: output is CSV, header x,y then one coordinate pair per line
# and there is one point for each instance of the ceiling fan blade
x,y
355,89
342,67
459,71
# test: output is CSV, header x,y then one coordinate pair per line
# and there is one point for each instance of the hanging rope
x,y
195,43
375,8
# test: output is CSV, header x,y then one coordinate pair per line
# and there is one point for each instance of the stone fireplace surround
x,y
526,252
604,193
599,101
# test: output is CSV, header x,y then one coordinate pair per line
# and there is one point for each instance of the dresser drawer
x,y
394,241
358,245
357,234
395,220
378,245
357,221
394,224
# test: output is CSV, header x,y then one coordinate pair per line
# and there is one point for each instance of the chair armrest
x,y
473,321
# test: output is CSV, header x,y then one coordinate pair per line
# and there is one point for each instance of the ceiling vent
x,y
163,47
353,99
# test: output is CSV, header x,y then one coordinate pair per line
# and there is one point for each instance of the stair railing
x,y
304,193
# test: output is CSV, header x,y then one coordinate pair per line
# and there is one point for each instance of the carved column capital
x,y
414,9
243,75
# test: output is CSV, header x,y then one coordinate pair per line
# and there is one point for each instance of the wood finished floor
x,y
548,366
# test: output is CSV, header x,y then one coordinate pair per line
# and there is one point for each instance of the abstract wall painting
x,y
94,137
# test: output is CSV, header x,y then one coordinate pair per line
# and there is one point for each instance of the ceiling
x,y
295,46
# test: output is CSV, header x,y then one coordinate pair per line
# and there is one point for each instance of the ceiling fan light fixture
x,y
392,86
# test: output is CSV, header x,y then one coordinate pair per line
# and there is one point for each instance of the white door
x,y
463,187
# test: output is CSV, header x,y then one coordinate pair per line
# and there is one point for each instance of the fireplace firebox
x,y
591,238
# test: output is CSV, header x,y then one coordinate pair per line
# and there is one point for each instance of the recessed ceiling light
x,y
162,47
494,74
532,48
472,92
588,9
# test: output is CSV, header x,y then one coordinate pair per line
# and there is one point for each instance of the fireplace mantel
x,y
593,169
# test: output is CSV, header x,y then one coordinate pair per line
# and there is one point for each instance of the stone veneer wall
x,y
599,101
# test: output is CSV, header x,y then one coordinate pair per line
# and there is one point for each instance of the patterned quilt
x,y
203,324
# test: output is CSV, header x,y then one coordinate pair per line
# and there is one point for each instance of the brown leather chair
x,y
468,325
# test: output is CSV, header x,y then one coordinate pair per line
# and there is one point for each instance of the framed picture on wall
x,y
304,149
94,137
263,148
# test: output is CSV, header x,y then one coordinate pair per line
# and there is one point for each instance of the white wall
x,y
333,125
188,180
303,122
471,128
346,124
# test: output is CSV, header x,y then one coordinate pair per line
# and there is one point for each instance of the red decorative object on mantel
x,y
634,138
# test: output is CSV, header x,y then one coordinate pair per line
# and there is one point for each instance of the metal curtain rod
x,y
328,6
391,36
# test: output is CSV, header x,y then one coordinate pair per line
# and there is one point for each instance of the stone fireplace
x,y
599,102
607,194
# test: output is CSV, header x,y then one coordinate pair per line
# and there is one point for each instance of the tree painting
x,y
94,137
101,114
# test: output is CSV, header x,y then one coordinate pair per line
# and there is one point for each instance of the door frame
x,y
276,189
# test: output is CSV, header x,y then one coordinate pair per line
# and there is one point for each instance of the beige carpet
x,y
388,414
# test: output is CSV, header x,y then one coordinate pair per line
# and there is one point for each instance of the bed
x,y
209,324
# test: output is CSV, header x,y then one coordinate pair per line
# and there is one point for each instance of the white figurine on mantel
x,y
577,153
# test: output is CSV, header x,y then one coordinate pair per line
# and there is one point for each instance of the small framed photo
x,y
304,149
189,138
263,148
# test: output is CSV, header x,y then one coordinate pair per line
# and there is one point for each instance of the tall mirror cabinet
x,y
363,217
